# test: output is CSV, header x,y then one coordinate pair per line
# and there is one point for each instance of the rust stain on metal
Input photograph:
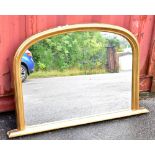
x,y
152,61
141,27
145,83
138,26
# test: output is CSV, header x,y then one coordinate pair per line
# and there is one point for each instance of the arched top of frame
x,y
72,28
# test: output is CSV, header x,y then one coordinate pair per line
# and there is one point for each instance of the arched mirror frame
x,y
22,129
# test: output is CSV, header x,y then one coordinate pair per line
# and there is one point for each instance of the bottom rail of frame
x,y
74,122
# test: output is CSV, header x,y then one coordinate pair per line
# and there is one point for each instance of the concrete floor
x,y
61,98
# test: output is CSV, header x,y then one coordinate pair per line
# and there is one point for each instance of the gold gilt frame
x,y
22,129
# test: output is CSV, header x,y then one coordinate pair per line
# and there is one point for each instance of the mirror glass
x,y
76,74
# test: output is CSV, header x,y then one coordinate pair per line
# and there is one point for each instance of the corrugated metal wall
x,y
15,29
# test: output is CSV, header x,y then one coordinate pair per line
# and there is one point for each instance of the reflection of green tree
x,y
82,50
120,43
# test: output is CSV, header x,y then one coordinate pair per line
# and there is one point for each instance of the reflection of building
x,y
125,60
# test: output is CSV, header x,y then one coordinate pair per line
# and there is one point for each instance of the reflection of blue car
x,y
27,65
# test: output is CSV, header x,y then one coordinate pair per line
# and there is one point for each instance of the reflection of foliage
x,y
82,50
41,66
117,41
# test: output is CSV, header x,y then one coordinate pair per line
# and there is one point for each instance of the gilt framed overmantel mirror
x,y
83,73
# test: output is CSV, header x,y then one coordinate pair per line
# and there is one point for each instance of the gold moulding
x,y
22,129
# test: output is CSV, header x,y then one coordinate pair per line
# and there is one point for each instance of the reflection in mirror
x,y
75,75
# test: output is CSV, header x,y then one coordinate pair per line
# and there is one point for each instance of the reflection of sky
x,y
118,37
112,35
